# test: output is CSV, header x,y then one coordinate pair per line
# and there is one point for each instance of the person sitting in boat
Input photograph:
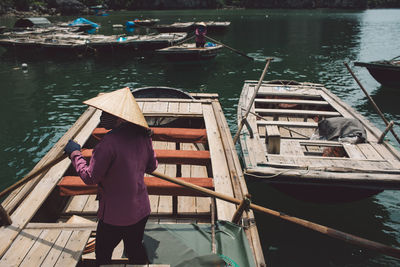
x,y
117,165
200,32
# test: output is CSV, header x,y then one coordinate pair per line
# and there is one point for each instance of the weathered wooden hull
x,y
51,229
283,118
92,43
187,52
384,72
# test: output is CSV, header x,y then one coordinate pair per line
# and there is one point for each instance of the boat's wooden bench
x,y
73,185
181,135
172,156
297,112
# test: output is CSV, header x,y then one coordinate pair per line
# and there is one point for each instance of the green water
x,y
39,105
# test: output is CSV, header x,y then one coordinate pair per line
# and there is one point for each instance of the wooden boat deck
x,y
54,231
286,115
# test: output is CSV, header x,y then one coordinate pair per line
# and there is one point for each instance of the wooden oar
x,y
234,50
372,102
32,175
394,58
242,122
362,242
187,39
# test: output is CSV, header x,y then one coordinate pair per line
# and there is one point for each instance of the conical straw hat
x,y
120,103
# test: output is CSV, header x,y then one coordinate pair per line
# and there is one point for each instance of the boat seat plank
x,y
182,135
289,123
299,112
172,156
73,185
291,101
272,139
300,132
220,169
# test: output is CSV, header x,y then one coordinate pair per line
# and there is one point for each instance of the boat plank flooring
x,y
369,151
41,248
381,149
20,247
291,147
353,151
72,251
76,204
57,248
186,204
92,205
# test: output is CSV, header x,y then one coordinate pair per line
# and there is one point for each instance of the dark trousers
x,y
200,44
108,236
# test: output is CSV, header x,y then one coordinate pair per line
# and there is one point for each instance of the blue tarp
x,y
80,21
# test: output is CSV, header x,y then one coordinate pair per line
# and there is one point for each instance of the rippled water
x,y
39,105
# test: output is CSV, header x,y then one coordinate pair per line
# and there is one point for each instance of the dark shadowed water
x,y
39,105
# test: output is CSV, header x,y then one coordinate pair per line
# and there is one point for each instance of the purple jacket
x,y
118,164
200,35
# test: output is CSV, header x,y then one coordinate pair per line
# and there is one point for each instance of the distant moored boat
x,y
385,72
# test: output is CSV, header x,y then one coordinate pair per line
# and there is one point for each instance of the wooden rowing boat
x,y
385,72
280,148
189,51
53,216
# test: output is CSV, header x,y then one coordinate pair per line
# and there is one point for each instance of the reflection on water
x,y
39,105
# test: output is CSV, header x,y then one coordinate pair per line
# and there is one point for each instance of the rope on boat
x,y
276,174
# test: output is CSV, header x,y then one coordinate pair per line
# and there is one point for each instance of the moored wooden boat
x,y
91,43
192,140
175,27
385,72
146,22
212,26
215,26
280,147
189,51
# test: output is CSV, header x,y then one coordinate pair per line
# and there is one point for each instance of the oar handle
x,y
372,102
32,175
394,252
